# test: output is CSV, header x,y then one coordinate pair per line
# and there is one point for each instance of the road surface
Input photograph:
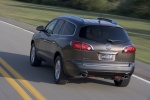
x,y
19,80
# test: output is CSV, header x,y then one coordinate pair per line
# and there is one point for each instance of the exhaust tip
x,y
126,76
84,74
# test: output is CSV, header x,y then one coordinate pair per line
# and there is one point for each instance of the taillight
x,y
81,46
129,49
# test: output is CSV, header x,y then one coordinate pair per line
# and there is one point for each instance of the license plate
x,y
107,57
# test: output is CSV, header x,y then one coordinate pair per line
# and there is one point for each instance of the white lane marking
x,y
33,33
17,27
141,79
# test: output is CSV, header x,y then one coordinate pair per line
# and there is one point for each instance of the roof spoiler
x,y
108,20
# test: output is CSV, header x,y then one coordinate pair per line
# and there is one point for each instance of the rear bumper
x,y
103,69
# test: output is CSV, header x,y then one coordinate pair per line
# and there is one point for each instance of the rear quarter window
x,y
103,33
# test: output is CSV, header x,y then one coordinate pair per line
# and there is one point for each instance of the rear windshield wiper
x,y
110,40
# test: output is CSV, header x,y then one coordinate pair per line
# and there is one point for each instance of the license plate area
x,y
110,57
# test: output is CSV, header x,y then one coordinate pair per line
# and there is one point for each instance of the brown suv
x,y
84,47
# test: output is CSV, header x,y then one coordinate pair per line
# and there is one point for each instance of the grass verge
x,y
138,30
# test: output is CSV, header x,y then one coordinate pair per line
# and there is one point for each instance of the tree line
x,y
132,8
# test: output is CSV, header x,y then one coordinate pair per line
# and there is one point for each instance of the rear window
x,y
104,33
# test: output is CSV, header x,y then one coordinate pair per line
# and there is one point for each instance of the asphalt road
x,y
19,80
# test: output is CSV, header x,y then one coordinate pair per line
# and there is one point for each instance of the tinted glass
x,y
104,33
58,26
69,29
50,26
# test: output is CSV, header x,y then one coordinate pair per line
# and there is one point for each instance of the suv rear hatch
x,y
106,47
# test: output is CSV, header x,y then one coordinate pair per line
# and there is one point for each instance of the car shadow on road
x,y
89,80
44,73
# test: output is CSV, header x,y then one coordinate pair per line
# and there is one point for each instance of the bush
x,y
134,8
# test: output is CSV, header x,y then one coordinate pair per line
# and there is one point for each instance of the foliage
x,y
134,8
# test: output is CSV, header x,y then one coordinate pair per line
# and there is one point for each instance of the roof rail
x,y
108,20
73,17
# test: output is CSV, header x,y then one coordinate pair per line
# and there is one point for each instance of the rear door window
x,y
104,33
58,26
69,29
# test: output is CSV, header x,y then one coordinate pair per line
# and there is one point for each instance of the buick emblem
x,y
108,46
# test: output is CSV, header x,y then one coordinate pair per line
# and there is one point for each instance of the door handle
x,y
53,42
44,40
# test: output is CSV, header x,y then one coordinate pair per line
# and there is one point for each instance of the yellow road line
x,y
22,80
14,84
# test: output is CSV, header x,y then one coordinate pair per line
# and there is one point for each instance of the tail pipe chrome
x,y
84,74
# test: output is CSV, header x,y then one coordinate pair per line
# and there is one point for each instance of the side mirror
x,y
40,28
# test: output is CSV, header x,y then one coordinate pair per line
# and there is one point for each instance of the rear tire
x,y
34,60
59,76
123,82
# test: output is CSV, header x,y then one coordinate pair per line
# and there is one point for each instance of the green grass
x,y
138,30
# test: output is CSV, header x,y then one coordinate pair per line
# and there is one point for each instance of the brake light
x,y
129,49
81,46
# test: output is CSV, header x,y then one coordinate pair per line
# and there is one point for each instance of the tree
x,y
135,8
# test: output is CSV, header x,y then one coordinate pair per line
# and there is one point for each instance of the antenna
x,y
101,15
99,19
